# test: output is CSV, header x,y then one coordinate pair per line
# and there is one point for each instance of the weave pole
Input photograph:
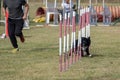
x,y
79,31
68,39
72,46
74,36
79,34
87,22
65,43
83,23
60,44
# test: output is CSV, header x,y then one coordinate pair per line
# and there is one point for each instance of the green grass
x,y
38,56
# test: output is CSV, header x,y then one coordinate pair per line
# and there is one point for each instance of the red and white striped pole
x,y
72,47
65,36
68,38
87,22
83,22
83,31
74,36
60,44
72,57
79,34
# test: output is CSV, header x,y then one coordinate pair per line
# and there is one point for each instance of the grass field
x,y
38,56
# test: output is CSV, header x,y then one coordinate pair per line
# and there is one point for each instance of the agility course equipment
x,y
71,52
106,15
93,14
116,21
103,13
98,13
51,8
114,10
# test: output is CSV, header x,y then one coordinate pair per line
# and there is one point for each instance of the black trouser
x,y
15,27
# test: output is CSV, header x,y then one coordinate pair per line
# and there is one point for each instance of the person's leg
x,y
11,31
18,30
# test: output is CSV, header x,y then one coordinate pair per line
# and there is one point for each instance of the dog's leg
x,y
87,51
82,53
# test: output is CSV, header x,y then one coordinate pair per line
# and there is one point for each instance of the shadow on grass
x,y
97,55
28,36
43,49
5,50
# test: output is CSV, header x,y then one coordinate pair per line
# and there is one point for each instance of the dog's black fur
x,y
85,44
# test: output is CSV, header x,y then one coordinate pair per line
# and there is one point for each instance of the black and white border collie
x,y
85,45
